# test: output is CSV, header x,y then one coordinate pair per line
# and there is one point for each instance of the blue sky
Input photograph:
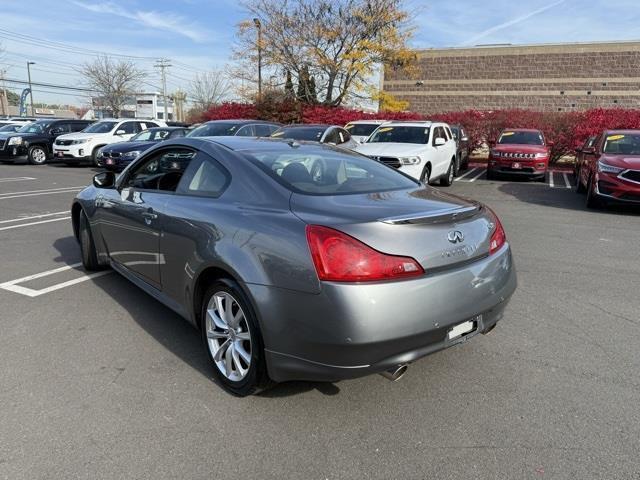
x,y
197,34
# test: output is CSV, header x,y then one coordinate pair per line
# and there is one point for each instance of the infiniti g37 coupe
x,y
298,261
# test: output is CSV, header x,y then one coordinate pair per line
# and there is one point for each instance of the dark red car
x,y
610,170
519,151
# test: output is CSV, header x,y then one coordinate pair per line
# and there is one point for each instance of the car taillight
x,y
339,257
497,238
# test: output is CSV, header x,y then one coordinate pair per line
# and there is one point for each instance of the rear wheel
x,y
426,175
490,174
447,180
87,246
37,155
232,339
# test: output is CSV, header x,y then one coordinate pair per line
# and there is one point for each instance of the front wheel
x,y
87,246
593,200
447,180
579,187
94,157
426,175
37,155
232,339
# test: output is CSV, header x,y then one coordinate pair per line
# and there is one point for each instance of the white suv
x,y
424,150
81,146
361,129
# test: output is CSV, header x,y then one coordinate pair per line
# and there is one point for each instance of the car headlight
x,y
409,160
78,142
541,155
606,168
15,141
132,154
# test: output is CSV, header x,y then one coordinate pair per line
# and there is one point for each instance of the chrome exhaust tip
x,y
396,373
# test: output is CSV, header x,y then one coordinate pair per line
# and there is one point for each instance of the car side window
x,y
332,137
262,130
438,132
205,177
344,135
161,171
177,133
246,131
151,125
78,127
129,128
449,135
60,129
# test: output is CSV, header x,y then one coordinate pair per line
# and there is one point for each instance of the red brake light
x,y
497,238
339,257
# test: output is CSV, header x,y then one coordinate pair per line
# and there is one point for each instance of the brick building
x,y
560,77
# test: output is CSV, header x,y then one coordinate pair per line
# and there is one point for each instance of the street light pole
x,y
30,87
258,25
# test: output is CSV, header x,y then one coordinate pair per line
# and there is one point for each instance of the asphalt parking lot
x,y
98,380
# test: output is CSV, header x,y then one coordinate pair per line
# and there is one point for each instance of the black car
x,y
462,146
117,156
10,127
35,140
330,134
232,128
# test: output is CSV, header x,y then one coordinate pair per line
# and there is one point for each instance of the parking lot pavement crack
x,y
617,315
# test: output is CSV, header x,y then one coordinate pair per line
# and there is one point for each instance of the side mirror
x,y
439,142
589,150
104,180
120,132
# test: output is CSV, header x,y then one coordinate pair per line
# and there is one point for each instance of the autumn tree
x,y
335,44
113,80
208,89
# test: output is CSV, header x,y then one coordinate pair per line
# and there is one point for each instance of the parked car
x,y
84,146
580,155
424,150
330,134
10,127
117,156
519,151
241,128
36,139
462,148
610,172
291,275
360,130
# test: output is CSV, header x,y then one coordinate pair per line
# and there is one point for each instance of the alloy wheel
x,y
38,155
228,336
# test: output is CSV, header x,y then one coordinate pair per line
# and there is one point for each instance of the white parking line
x,y
20,219
482,171
462,176
551,184
15,179
566,179
13,285
34,193
11,227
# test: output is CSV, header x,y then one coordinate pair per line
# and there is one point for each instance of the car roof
x,y
308,125
628,131
375,121
241,121
413,123
237,143
164,128
521,130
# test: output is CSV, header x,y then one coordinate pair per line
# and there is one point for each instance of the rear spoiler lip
x,y
435,216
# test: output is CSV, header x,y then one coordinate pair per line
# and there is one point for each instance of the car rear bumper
x,y
351,330
614,189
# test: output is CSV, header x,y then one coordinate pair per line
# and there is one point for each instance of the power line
x,y
49,85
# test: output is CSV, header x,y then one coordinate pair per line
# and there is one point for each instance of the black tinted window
x,y
361,129
321,171
313,134
129,128
178,133
216,129
246,131
262,130
162,171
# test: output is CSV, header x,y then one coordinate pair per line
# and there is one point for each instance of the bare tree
x,y
208,89
113,80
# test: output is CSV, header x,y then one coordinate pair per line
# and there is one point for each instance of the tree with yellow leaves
x,y
334,44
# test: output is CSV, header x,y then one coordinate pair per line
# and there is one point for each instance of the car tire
x,y
543,178
593,201
490,174
37,155
456,170
87,245
426,175
94,157
447,180
579,187
233,349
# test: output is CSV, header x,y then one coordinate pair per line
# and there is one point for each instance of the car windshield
x,y
320,171
100,127
400,134
36,127
622,144
9,128
313,134
521,138
151,135
215,129
361,129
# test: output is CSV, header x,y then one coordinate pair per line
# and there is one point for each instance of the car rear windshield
x,y
36,127
362,129
320,171
622,144
218,129
521,138
313,134
100,127
400,134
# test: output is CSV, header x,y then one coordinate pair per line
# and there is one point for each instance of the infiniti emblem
x,y
455,236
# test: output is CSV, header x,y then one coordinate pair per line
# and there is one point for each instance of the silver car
x,y
298,261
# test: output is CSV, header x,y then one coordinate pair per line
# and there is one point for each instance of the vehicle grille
x,y
63,142
633,175
517,155
517,170
391,161
111,154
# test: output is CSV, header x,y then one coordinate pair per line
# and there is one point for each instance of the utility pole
x,y
30,87
163,64
4,103
258,25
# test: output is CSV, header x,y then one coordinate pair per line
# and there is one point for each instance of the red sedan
x,y
610,171
519,151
